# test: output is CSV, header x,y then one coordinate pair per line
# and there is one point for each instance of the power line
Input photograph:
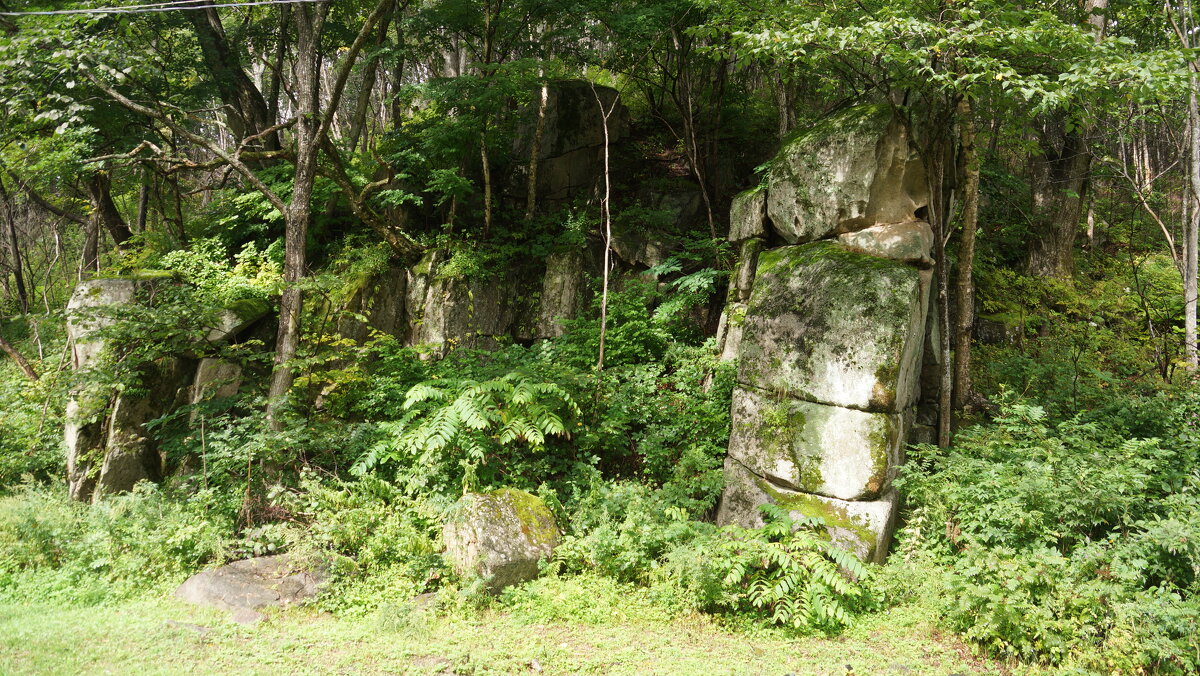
x,y
180,5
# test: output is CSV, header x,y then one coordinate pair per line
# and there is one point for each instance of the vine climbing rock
x,y
828,330
500,536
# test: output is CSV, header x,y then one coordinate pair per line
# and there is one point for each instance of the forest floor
x,y
162,636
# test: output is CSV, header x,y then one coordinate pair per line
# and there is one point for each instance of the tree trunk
x,y
964,283
606,217
248,114
19,358
1059,187
1192,229
14,251
358,123
99,188
535,151
309,21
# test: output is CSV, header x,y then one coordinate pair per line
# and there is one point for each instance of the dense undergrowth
x,y
1060,528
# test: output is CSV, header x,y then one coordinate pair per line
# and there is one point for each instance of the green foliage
x,y
220,279
1060,540
52,548
787,572
30,433
380,547
471,424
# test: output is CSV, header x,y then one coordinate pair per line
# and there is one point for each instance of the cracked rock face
x,y
829,330
852,170
863,527
835,327
831,451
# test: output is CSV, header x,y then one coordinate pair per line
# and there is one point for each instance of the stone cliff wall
x,y
828,329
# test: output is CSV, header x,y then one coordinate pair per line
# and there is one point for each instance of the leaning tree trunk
x,y
308,22
247,110
14,250
99,187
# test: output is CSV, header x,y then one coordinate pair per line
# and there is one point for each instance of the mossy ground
x,y
555,626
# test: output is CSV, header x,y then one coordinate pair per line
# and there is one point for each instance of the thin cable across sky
x,y
179,5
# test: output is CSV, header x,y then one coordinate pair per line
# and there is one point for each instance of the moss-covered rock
x,y
864,528
500,536
747,215
852,170
911,242
235,317
826,450
835,327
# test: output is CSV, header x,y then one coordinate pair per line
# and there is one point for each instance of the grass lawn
x,y
555,626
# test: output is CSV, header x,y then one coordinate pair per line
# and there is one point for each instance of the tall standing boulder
x,y
831,328
91,308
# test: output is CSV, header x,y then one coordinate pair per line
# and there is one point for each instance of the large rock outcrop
x,y
109,449
829,330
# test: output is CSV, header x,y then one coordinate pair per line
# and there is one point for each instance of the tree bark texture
x,y
247,111
104,210
1059,182
309,20
964,296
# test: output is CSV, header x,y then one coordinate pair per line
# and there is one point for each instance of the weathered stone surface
x,y
571,148
911,242
447,311
84,431
246,587
500,536
741,284
379,304
827,450
236,317
215,378
130,453
835,327
639,248
852,170
864,528
748,215
729,330
996,330
562,286
82,317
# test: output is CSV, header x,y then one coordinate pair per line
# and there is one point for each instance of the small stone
x,y
910,242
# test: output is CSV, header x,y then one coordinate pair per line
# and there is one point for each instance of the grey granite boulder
x,y
835,327
825,450
246,587
910,242
500,536
852,170
862,527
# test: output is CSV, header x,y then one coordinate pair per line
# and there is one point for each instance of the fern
x,y
788,572
462,421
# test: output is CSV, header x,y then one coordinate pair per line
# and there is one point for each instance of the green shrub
x,y
54,549
1061,540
